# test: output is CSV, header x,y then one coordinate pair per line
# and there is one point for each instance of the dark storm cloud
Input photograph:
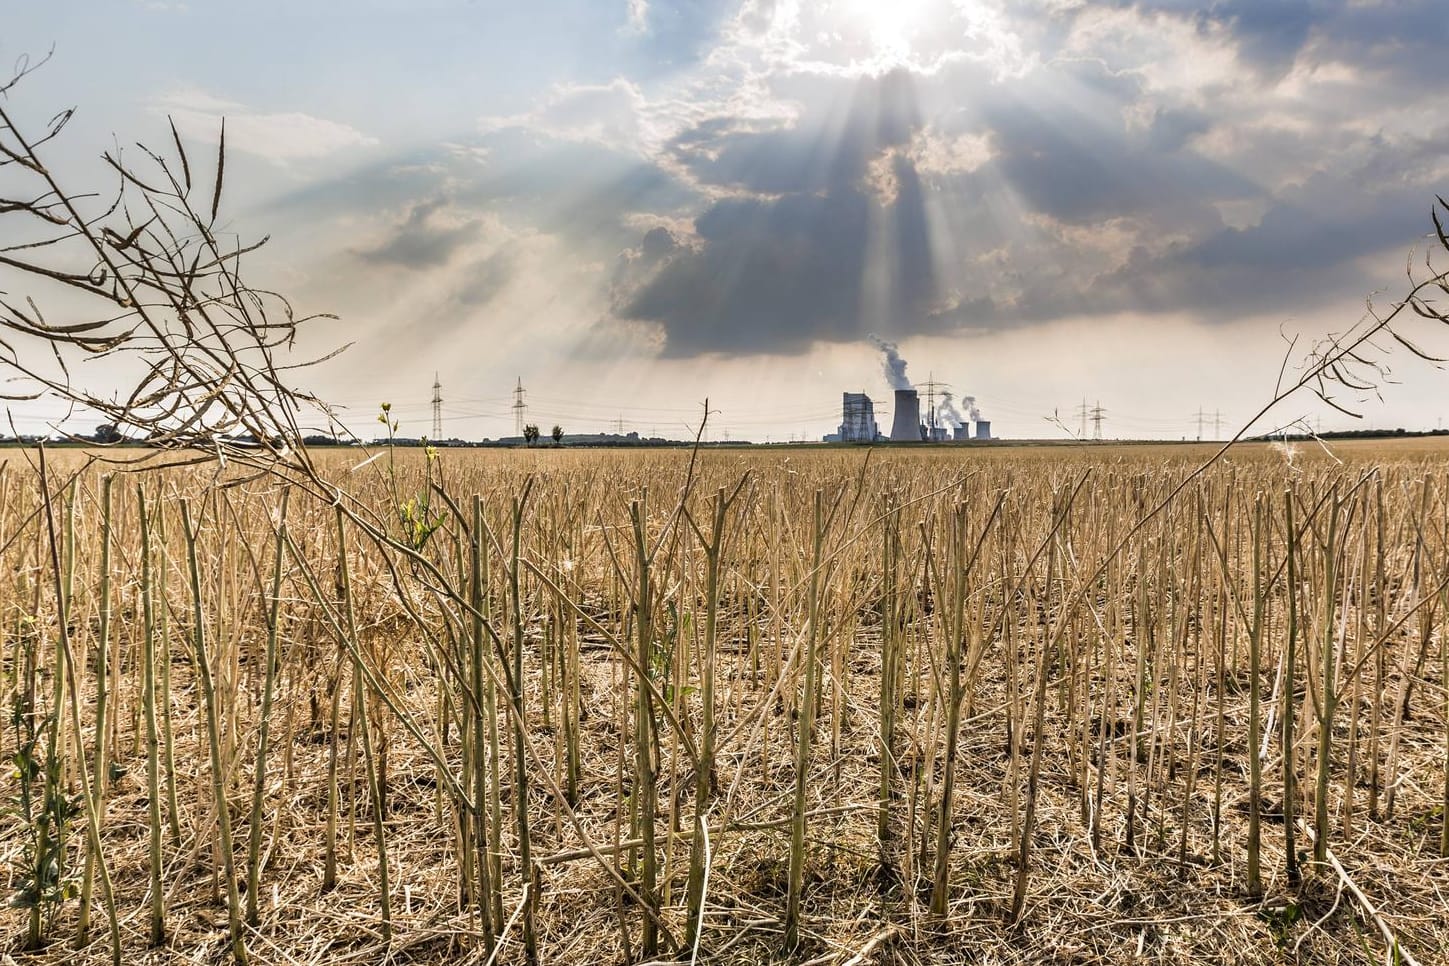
x,y
1404,41
636,268
1081,166
840,241
1404,37
776,272
1268,33
423,240
1173,128
509,197
483,280
769,277
547,174
828,148
658,243
1305,251
774,275
583,192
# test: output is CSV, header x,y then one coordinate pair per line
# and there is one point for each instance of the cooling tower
x,y
907,425
983,429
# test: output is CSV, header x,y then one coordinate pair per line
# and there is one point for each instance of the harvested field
x,y
829,706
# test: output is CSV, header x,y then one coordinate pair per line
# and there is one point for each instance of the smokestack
x,y
906,427
893,365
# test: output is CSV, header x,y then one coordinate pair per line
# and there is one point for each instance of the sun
x,y
889,29
886,17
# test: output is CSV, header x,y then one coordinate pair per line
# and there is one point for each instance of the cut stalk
x,y
100,777
153,749
254,838
218,766
806,733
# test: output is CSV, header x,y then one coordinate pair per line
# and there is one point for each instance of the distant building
x,y
857,423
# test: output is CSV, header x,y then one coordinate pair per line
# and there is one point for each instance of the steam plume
x,y
969,404
893,365
947,412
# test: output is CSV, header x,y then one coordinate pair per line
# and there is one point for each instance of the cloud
x,y
283,137
608,114
776,275
429,236
1160,156
483,280
595,197
616,115
828,145
1037,161
637,16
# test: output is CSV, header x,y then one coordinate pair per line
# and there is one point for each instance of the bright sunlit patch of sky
x,y
635,204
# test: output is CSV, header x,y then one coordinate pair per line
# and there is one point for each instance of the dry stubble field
x,y
950,705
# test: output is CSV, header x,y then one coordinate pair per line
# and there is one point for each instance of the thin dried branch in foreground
x,y
143,276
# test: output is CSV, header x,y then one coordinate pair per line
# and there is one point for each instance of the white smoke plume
x,y
968,403
893,365
946,411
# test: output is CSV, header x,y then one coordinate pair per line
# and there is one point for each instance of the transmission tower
x,y
518,408
1082,412
437,408
931,408
1217,424
1200,417
1097,415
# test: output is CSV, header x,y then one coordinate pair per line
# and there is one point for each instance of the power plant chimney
x,y
983,429
906,427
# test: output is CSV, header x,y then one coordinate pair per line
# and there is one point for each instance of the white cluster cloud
x,y
285,136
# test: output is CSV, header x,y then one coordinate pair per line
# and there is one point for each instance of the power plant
x,y
945,424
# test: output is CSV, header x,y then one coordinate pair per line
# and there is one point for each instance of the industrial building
x,y
858,419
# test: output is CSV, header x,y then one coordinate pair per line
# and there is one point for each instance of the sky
x,y
632,206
